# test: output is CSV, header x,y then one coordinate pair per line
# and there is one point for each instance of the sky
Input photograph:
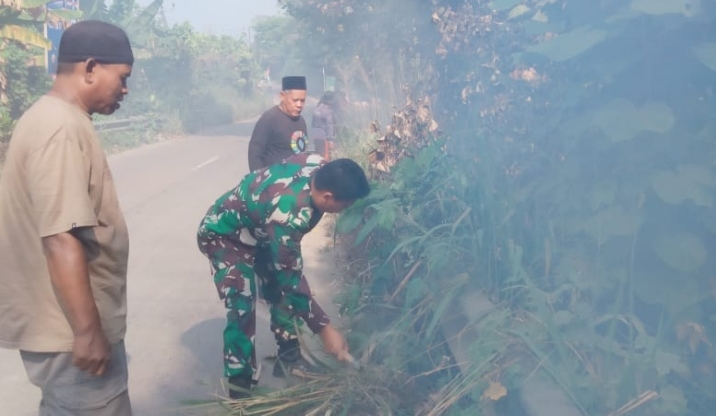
x,y
224,17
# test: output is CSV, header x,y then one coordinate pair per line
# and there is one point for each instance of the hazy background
x,y
223,17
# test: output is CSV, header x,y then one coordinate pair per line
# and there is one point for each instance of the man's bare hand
x,y
335,344
91,352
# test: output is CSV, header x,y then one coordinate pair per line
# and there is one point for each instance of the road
x,y
175,318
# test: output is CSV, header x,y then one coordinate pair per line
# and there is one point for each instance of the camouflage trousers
x,y
235,267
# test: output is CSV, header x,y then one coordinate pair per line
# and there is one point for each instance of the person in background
x,y
322,126
280,131
256,229
64,244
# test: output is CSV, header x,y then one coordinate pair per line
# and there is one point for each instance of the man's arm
x,y
69,274
287,266
258,143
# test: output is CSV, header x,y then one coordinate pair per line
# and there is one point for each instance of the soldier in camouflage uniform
x,y
256,229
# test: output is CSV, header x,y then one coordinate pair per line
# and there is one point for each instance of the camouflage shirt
x,y
273,205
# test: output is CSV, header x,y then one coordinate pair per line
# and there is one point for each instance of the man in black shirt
x,y
281,131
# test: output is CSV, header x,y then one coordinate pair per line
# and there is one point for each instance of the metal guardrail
x,y
121,124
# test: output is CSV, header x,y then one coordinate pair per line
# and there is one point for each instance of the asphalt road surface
x,y
175,318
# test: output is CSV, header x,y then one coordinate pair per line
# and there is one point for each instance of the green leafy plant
x,y
23,84
562,193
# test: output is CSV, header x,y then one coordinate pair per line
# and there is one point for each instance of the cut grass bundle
x,y
369,392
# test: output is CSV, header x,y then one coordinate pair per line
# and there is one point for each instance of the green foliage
x,y
199,77
95,9
120,11
374,48
415,230
25,85
204,111
276,42
20,41
117,141
585,168
182,79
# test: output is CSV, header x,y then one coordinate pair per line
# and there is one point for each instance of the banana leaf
x,y
145,17
141,25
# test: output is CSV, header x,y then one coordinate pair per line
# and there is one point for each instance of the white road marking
x,y
201,165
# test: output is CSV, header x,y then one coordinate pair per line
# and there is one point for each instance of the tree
x,y
275,41
121,11
576,154
374,47
95,10
21,41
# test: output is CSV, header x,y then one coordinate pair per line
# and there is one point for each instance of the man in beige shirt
x,y
63,239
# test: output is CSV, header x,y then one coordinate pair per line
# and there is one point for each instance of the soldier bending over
x,y
256,230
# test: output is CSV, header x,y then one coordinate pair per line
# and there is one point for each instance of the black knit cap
x,y
105,42
293,83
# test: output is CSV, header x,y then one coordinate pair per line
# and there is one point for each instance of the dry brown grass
x,y
369,392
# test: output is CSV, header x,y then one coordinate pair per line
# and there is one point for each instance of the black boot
x,y
240,387
290,361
